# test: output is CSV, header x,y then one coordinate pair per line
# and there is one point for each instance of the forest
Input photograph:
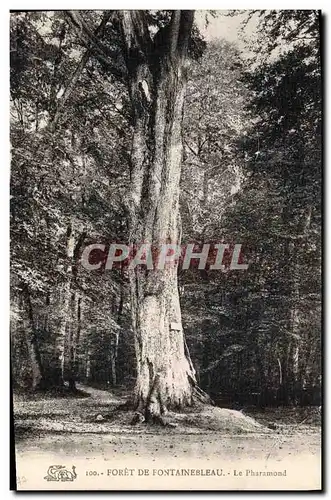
x,y
135,126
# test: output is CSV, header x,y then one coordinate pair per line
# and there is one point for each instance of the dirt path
x,y
209,445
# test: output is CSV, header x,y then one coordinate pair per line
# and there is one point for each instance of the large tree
x,y
156,76
153,60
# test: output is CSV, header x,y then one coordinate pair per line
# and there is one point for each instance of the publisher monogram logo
x,y
60,473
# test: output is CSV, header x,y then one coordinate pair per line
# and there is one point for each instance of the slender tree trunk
x,y
63,335
78,337
165,375
74,326
67,339
113,358
295,384
88,365
32,344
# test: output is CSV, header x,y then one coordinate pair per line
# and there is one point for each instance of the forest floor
x,y
90,424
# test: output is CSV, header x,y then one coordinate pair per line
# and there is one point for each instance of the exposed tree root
x,y
201,396
203,417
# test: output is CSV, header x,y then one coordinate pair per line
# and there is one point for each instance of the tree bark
x,y
67,339
74,338
157,82
63,336
37,373
113,357
88,365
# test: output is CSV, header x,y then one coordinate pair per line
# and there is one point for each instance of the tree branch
x,y
91,41
136,37
186,23
180,31
174,32
78,71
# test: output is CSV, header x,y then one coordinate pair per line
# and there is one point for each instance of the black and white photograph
x,y
166,214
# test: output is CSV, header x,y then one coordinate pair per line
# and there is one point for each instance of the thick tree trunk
x,y
165,375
